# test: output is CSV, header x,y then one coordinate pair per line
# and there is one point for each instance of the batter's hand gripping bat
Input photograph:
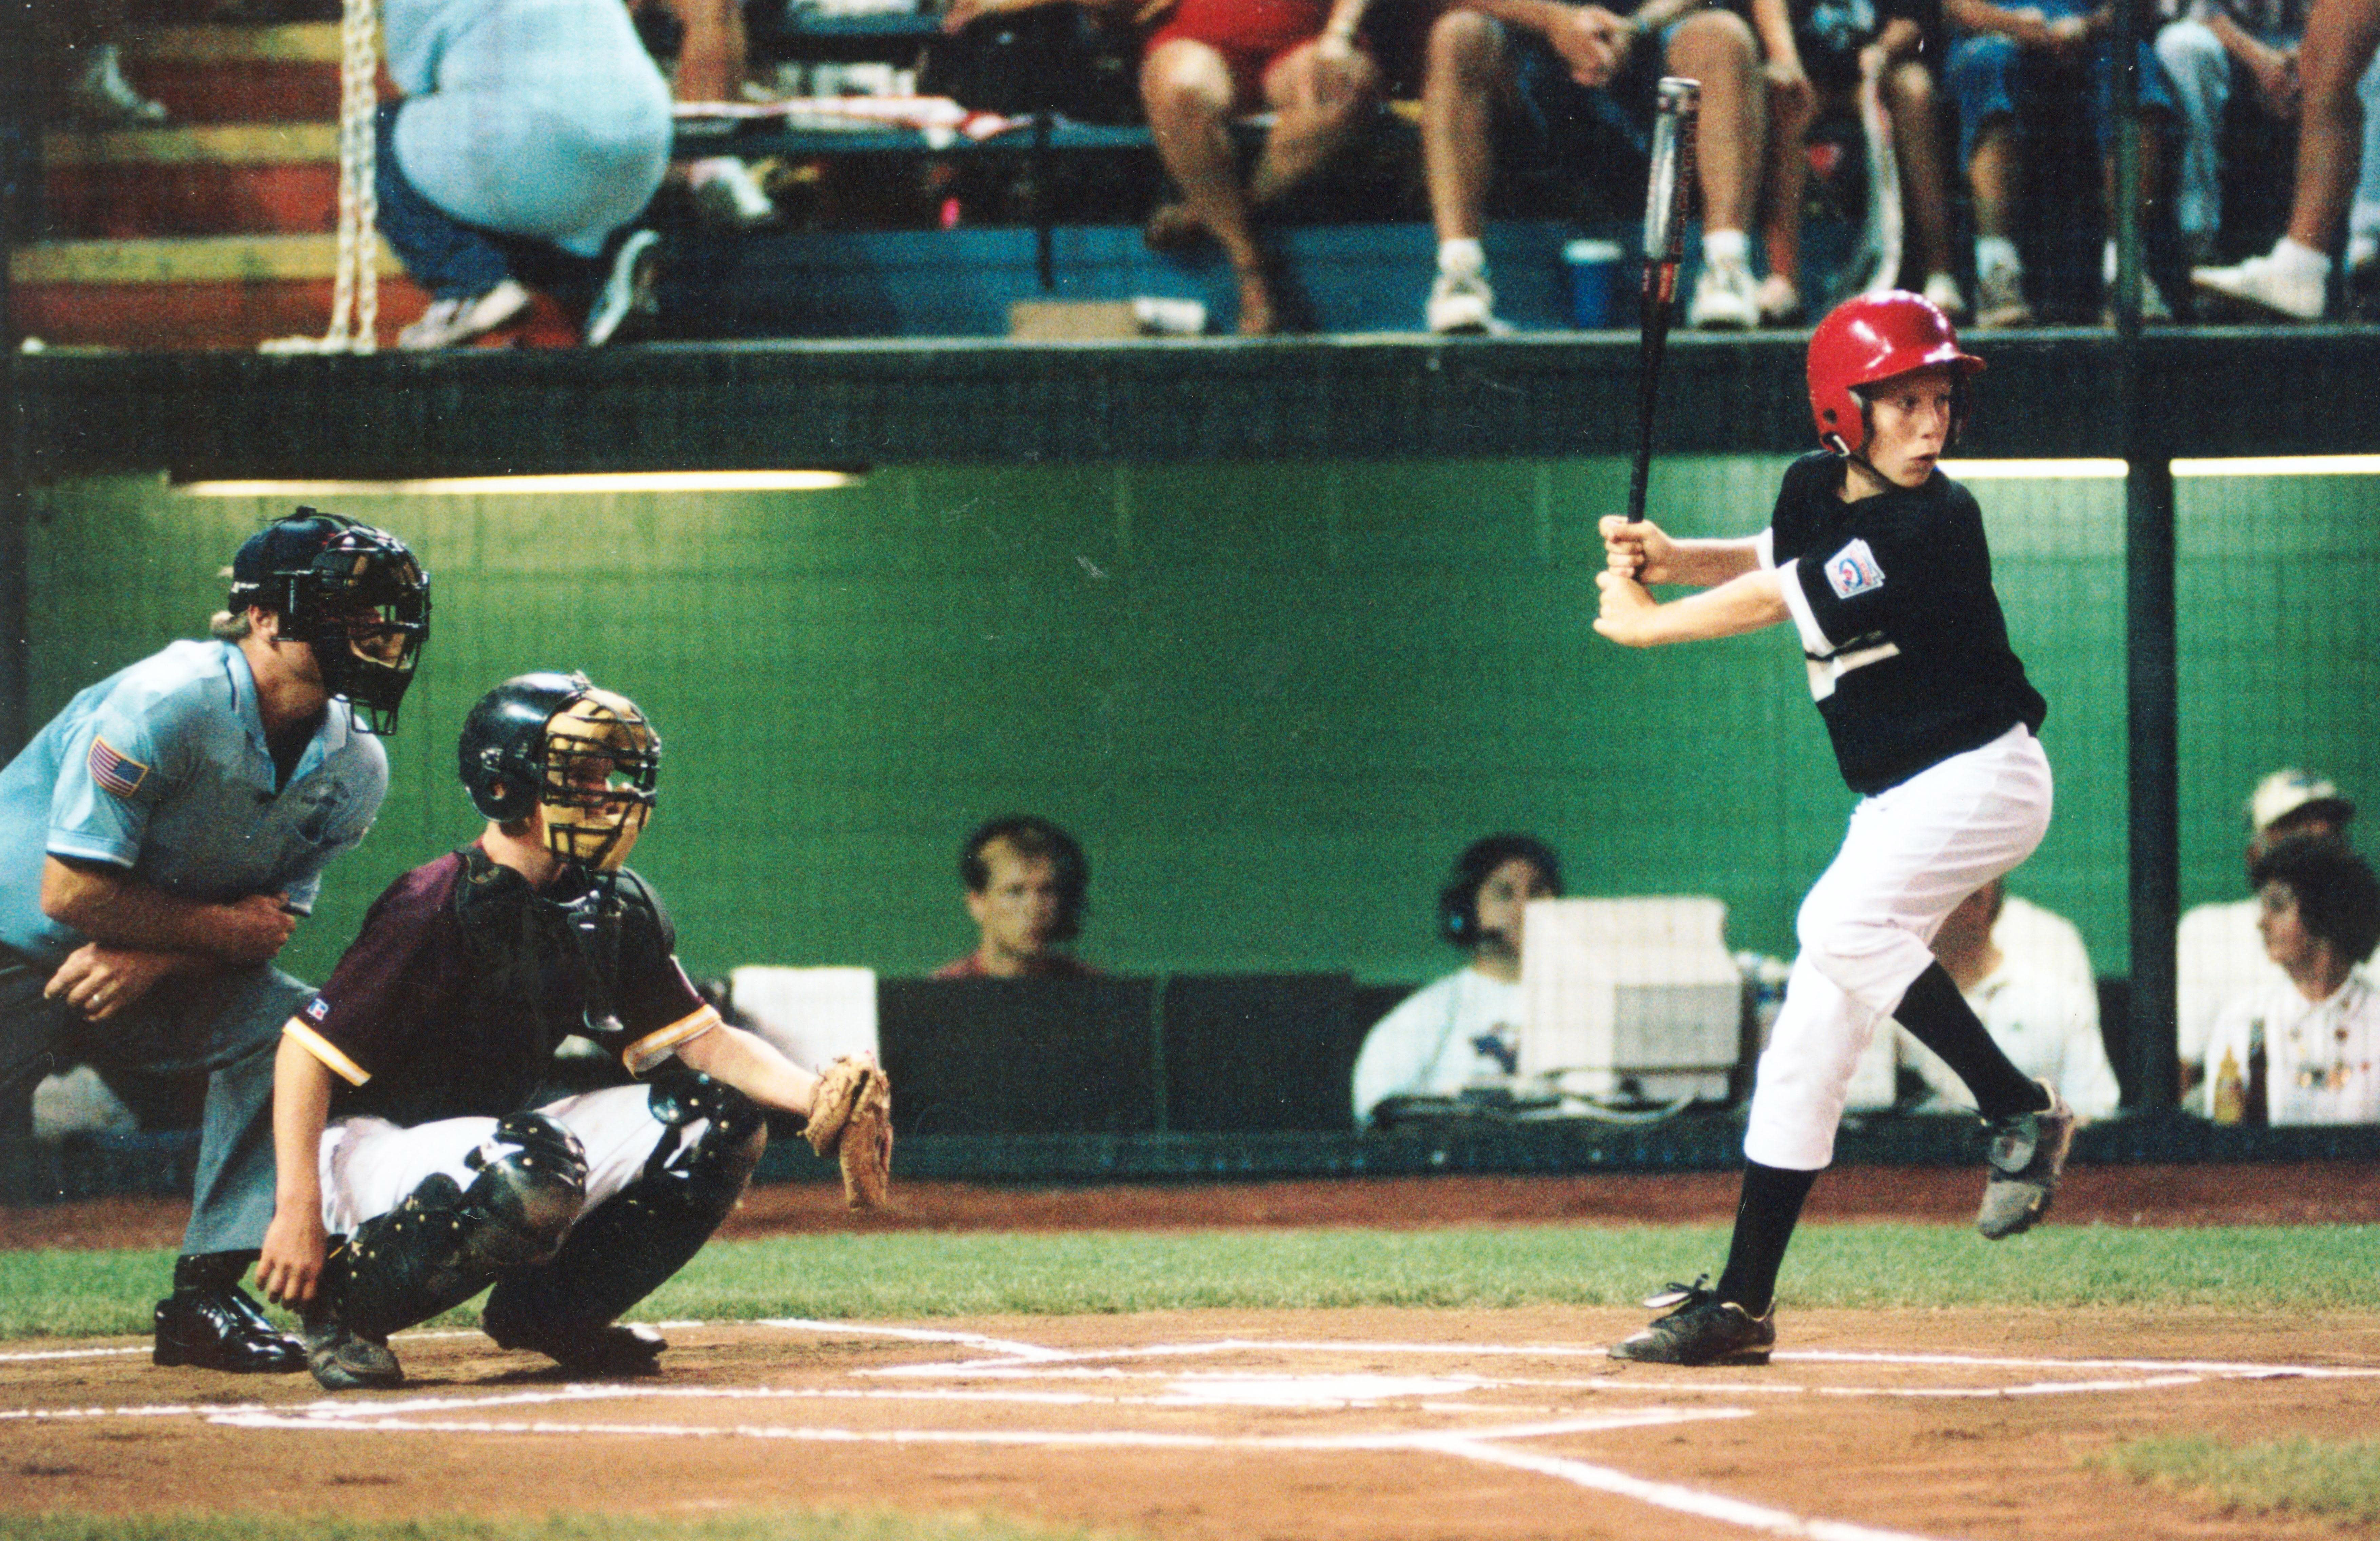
x,y
1665,240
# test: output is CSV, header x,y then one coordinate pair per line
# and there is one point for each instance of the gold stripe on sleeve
x,y
656,1046
328,1052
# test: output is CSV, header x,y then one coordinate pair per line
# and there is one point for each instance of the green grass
x,y
770,1526
2301,1475
922,1274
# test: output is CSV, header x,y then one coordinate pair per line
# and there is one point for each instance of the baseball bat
x,y
1677,103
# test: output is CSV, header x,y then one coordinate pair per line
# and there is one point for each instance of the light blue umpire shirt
x,y
162,770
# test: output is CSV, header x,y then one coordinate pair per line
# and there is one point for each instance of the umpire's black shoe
x,y
609,1349
223,1329
1701,1328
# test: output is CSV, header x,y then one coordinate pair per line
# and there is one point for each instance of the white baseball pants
x,y
1912,855
370,1166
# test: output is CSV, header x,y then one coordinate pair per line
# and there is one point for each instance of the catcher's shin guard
x,y
445,1243
629,1245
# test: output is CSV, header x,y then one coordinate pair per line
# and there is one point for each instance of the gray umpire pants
x,y
227,1024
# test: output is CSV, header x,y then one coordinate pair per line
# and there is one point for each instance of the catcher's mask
x,y
353,594
585,755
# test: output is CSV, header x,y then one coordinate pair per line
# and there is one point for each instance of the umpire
x,y
159,841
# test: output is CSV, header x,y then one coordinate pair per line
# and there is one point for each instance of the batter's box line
x,y
1488,1446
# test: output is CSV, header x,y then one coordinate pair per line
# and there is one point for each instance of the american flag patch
x,y
115,773
318,1008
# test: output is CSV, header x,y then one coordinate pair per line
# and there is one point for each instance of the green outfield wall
x,y
1272,700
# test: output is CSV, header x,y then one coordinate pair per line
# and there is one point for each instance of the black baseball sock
x,y
211,1270
1938,1017
1765,1214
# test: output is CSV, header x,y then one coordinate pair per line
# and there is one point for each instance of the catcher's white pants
x,y
1912,855
370,1165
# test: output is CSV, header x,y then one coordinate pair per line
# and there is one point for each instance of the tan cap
x,y
2288,792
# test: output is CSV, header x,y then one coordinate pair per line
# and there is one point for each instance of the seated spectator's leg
x,y
1465,69
1718,49
2156,123
1189,91
1791,112
1909,96
2363,217
1982,76
711,64
2200,73
2337,48
1317,105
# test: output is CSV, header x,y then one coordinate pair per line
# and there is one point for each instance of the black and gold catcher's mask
x,y
599,770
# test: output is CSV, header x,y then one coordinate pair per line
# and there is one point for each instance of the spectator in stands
x,y
1210,61
1550,63
2009,65
2293,279
2220,952
531,136
1027,882
2302,1051
2022,982
1817,55
1465,1028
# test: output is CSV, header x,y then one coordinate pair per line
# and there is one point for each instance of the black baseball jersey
x,y
463,980
1908,651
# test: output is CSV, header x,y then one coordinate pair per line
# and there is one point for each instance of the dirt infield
x,y
1369,1425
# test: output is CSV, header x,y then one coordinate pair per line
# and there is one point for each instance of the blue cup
x,y
1594,266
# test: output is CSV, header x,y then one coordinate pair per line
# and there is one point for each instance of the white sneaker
x,y
1463,303
1727,296
728,196
1780,301
628,293
1942,292
449,322
103,96
1999,297
2263,283
2154,311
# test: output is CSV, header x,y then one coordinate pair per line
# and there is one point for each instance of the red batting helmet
x,y
1872,337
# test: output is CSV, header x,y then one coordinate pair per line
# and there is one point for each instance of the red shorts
x,y
1250,34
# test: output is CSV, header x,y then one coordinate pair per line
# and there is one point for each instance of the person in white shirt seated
x,y
2302,1051
2219,949
2022,980
1463,1029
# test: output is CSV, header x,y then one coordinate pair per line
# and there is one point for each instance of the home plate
x,y
1310,1390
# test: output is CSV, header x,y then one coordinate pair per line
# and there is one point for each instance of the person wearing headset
x,y
1464,1027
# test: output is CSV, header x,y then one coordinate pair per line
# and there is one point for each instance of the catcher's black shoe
x,y
609,1349
2027,1155
344,1360
1701,1328
223,1329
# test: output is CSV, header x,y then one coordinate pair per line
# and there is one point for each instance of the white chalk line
x,y
1017,1360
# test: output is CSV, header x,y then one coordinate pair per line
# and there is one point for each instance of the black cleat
x,y
1701,1328
2028,1153
223,1329
344,1360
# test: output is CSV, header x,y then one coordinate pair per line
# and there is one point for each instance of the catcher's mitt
x,y
851,1118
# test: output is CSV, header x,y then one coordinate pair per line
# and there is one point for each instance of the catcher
x,y
416,1169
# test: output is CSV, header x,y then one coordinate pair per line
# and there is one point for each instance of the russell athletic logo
x,y
1852,571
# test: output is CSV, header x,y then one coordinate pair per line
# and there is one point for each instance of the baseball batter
x,y
406,1117
1879,562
